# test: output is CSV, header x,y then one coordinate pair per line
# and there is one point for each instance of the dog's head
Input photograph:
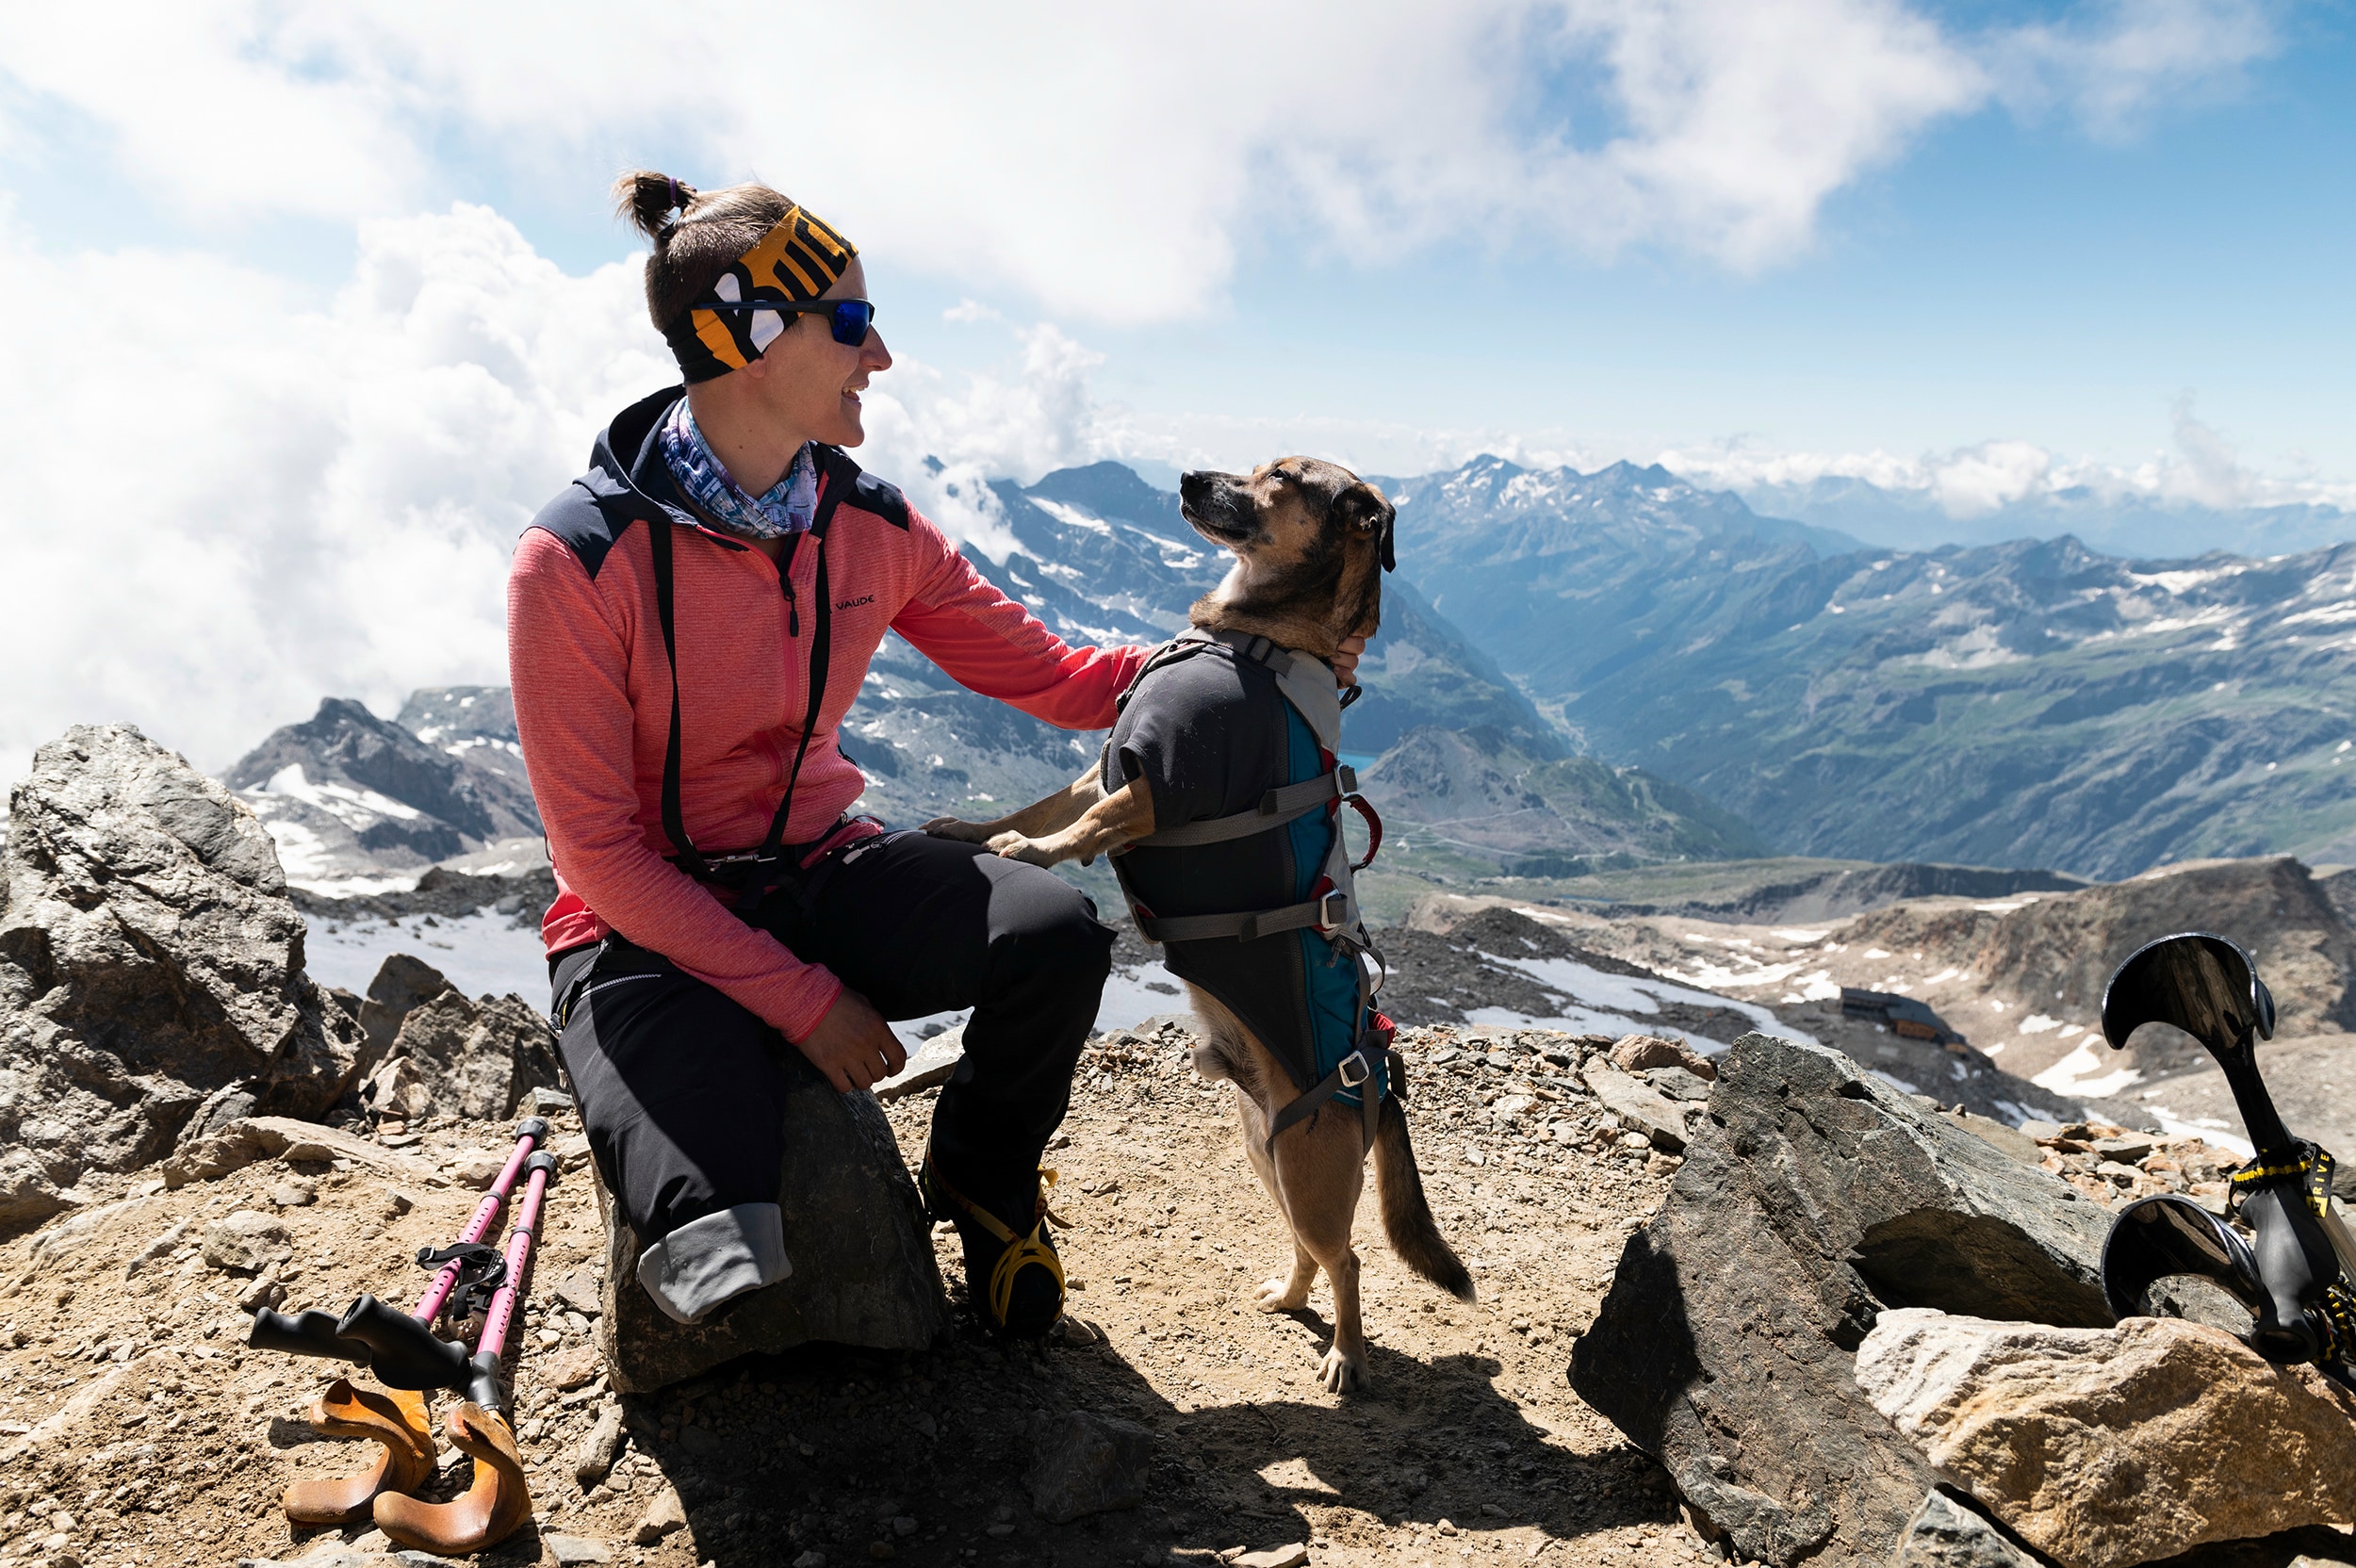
x,y
1311,540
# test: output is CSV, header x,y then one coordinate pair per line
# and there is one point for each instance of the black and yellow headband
x,y
797,261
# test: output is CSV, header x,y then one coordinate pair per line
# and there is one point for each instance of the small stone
x,y
664,1516
1642,1053
576,1368
293,1195
264,1291
1294,1555
398,1202
550,1336
478,1168
999,1533
903,1526
812,1559
247,1242
1086,1464
1640,1107
595,1459
548,1102
577,1548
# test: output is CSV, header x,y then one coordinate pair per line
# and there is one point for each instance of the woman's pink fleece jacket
x,y
592,693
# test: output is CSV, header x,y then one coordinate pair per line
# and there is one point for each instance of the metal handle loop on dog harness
x,y
1364,1071
1332,912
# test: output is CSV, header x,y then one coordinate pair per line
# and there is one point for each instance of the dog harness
x,y
1355,1065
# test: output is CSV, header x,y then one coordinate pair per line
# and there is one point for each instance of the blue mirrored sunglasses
x,y
849,318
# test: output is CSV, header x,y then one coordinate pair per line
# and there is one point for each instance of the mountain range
x,y
1875,515
1580,671
2026,703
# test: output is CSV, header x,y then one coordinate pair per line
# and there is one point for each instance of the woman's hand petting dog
x,y
853,1046
1346,660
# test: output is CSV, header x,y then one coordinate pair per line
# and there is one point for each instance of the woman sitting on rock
x,y
687,625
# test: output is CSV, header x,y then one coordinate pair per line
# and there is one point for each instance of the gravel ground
x,y
173,1442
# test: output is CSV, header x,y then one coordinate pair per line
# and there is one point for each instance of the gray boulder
x,y
1813,1197
1944,1533
863,1271
456,1057
151,970
402,982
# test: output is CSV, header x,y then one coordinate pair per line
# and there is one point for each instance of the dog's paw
x,y
1341,1374
1014,846
1278,1295
951,827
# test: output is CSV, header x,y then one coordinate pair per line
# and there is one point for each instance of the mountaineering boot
x,y
1014,1279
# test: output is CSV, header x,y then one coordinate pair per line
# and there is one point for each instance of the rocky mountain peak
x,y
348,795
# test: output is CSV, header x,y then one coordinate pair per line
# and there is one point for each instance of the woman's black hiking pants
x,y
683,1091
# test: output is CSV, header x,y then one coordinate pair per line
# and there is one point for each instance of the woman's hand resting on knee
x,y
853,1046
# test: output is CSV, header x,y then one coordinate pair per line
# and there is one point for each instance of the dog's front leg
x,y
1113,823
1048,815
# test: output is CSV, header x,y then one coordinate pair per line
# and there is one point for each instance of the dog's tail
x,y
1406,1216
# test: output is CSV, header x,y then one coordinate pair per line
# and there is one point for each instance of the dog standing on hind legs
x,y
1219,792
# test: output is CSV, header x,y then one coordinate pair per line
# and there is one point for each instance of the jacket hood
x,y
625,462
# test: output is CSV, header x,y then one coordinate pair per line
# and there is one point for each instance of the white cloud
x,y
230,505
1111,161
2112,65
2198,469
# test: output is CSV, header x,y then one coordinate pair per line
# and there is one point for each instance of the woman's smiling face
x,y
810,383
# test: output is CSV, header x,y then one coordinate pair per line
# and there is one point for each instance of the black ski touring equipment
x,y
2296,1273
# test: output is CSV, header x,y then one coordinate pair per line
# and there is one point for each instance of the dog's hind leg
x,y
1320,1169
1228,1051
1285,1293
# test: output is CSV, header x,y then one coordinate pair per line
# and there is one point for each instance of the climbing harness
x,y
1371,1068
1035,1249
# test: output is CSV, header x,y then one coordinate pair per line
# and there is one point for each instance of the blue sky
x,y
2007,271
329,303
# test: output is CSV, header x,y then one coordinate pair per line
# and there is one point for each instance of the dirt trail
x,y
1468,1444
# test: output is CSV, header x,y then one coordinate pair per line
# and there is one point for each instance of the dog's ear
x,y
1367,510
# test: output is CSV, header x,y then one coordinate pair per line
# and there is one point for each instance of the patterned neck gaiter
x,y
787,508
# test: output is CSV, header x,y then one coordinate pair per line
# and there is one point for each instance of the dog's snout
x,y
1194,485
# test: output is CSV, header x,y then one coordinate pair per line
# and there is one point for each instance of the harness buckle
x,y
1348,777
1364,1071
1332,912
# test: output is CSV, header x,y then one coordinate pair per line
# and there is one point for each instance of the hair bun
x,y
646,199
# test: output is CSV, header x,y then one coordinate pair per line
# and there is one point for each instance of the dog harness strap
x,y
1327,912
1278,808
1354,1071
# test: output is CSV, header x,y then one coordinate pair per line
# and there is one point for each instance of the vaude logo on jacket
x,y
854,604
